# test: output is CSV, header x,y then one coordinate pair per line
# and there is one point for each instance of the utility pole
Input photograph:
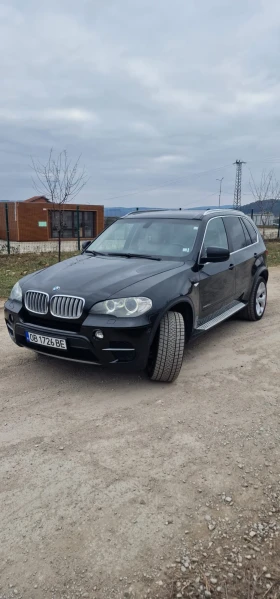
x,y
237,189
78,227
221,180
7,228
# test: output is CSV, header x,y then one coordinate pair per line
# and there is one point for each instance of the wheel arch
x,y
250,311
184,307
262,271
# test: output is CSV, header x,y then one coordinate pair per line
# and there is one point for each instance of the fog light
x,y
11,318
98,334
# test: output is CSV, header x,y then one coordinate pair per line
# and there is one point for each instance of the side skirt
x,y
206,324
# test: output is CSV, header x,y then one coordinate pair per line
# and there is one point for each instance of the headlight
x,y
127,306
16,293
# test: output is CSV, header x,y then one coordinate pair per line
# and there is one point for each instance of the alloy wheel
x,y
261,299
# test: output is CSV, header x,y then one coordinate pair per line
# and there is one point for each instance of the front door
x,y
217,280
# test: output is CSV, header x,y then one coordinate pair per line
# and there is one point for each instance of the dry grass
x,y
273,248
13,267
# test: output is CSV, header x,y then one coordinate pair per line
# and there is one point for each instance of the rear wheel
x,y
255,308
168,349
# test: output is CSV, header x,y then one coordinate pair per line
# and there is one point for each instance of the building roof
x,y
35,199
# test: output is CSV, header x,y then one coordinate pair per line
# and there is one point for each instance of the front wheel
x,y
257,303
168,349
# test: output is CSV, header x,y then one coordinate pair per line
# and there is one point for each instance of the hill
x,y
268,206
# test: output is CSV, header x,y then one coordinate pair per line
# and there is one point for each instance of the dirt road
x,y
102,474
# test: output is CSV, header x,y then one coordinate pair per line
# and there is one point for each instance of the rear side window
x,y
246,233
215,235
236,233
251,229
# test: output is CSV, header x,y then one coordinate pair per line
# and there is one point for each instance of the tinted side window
x,y
236,233
246,233
215,235
251,229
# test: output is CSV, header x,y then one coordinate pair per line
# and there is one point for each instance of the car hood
x,y
95,278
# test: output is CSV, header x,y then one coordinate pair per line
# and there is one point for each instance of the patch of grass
x,y
273,248
13,268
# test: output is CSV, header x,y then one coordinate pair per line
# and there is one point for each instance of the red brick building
x,y
36,219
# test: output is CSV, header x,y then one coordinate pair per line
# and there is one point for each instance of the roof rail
x,y
222,210
212,210
143,211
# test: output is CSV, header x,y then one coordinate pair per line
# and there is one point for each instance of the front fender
x,y
179,300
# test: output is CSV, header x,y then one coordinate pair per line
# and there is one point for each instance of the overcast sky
x,y
160,97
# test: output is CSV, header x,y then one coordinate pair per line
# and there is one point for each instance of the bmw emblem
x,y
56,288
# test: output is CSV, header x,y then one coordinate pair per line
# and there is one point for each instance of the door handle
x,y
231,266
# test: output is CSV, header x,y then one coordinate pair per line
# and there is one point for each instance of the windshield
x,y
162,237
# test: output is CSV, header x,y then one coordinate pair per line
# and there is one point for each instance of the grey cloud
x,y
151,94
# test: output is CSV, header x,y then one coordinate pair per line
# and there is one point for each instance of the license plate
x,y
43,340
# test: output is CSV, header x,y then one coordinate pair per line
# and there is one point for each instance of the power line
x,y
237,194
266,161
137,192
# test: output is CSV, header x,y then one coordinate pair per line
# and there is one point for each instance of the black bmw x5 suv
x,y
142,289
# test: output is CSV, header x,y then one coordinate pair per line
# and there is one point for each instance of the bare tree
x,y
59,180
266,193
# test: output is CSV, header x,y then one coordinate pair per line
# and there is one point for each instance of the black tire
x,y
168,351
251,311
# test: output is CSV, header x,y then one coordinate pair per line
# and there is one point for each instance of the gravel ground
x,y
113,487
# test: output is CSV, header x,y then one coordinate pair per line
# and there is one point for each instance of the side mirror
x,y
214,254
85,245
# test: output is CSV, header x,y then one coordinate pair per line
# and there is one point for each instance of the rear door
x,y
243,254
217,281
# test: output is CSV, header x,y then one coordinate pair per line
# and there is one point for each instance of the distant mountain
x,y
268,206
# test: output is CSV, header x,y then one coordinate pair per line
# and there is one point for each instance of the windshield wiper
x,y
129,255
94,253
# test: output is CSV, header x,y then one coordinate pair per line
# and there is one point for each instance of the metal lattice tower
x,y
237,189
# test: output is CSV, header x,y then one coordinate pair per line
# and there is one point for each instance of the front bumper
x,y
124,344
